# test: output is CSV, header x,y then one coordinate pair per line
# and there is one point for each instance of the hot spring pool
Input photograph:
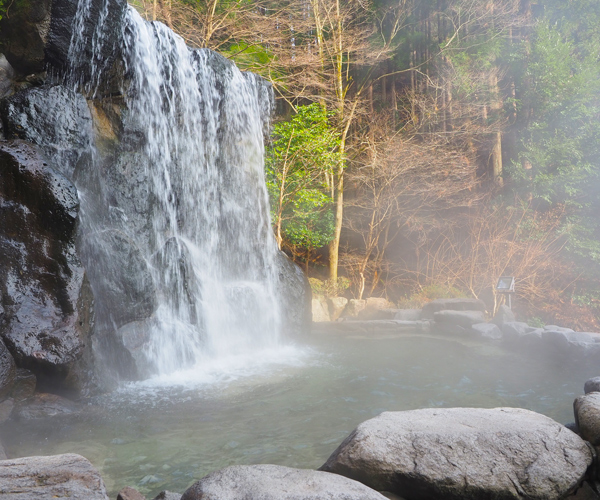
x,y
292,408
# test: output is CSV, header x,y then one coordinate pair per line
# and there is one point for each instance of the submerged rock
x,y
167,495
45,478
25,384
129,493
274,482
464,453
44,405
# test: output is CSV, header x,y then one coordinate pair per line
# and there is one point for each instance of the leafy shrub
x,y
329,288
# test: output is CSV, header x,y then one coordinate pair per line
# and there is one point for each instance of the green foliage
x,y
536,322
3,8
299,162
559,161
249,56
329,288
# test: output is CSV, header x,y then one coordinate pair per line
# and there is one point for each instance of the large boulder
x,y
592,385
274,482
514,330
43,287
466,319
587,417
451,305
336,307
464,453
24,34
47,478
354,307
408,314
503,315
319,310
488,331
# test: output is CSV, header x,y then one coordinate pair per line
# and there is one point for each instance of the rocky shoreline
x,y
464,318
426,454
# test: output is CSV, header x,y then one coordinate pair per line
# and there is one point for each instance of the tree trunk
x,y
497,160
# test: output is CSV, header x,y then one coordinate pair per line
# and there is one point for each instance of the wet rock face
x,y
121,277
104,57
7,371
54,118
45,295
24,33
296,293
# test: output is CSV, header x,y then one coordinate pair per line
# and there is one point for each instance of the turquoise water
x,y
293,409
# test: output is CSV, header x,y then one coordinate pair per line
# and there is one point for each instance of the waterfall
x,y
175,229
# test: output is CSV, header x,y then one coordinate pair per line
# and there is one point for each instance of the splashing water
x,y
194,206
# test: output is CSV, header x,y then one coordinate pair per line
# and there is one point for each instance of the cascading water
x,y
180,213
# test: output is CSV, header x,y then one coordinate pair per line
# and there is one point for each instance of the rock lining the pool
x,y
450,453
458,318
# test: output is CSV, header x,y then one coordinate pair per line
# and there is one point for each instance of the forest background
x,y
424,148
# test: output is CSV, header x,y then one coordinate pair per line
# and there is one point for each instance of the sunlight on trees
x,y
407,128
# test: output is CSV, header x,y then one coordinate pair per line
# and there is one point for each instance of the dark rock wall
x,y
51,139
46,302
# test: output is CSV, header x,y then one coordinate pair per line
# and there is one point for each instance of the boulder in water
x,y
587,417
320,313
336,307
45,478
44,405
451,305
274,482
488,331
464,453
503,315
167,495
466,319
408,314
592,385
129,493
